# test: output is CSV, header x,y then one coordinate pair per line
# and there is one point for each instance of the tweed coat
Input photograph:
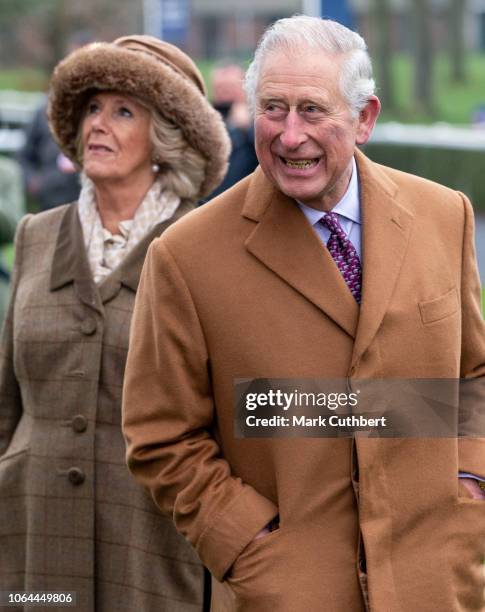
x,y
253,294
71,517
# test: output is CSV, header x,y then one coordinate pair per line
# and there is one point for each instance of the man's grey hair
x,y
301,32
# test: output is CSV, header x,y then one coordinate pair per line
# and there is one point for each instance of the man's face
x,y
305,133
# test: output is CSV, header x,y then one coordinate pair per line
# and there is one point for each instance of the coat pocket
x,y
465,539
440,307
254,578
304,568
12,467
255,553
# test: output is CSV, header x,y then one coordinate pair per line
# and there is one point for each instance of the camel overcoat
x,y
71,516
254,294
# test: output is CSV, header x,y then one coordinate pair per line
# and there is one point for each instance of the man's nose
x,y
293,134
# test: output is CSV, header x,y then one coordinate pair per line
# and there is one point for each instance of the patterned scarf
x,y
105,250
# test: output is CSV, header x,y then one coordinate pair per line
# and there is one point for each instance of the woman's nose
x,y
100,120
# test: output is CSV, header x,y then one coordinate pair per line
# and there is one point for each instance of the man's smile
x,y
300,164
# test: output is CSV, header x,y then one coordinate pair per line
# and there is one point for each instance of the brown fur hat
x,y
152,70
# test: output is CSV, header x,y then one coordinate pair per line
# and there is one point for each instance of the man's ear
x,y
367,119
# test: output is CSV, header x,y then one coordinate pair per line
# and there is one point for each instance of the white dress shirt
x,y
348,211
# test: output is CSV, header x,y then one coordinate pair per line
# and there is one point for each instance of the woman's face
x,y
115,139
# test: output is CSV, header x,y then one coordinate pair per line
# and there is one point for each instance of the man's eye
x,y
273,110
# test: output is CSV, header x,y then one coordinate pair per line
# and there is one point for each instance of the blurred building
x,y
205,28
232,28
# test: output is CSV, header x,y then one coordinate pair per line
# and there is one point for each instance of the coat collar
x,y
284,242
70,263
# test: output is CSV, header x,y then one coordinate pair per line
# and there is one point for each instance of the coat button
x,y
79,423
88,327
76,476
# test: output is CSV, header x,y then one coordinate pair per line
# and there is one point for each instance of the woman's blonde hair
x,y
182,168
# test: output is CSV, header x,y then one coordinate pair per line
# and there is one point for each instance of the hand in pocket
x,y
473,487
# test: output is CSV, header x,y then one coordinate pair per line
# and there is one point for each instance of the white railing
x,y
16,111
439,135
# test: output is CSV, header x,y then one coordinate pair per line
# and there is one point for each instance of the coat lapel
x,y
285,243
386,227
128,273
70,263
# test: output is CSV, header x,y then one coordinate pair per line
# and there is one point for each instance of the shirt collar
x,y
348,206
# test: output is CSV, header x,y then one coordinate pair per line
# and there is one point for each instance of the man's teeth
x,y
300,163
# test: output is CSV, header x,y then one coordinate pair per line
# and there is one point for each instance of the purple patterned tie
x,y
344,254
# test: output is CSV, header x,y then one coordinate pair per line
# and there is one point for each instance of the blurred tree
x,y
456,20
52,23
11,9
45,15
423,58
384,54
57,30
15,16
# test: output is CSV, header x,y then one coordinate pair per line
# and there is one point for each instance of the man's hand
x,y
264,531
273,525
473,488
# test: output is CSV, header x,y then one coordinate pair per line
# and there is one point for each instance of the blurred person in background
x,y
229,99
50,178
134,117
12,207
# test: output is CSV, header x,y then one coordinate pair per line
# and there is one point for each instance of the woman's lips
x,y
99,148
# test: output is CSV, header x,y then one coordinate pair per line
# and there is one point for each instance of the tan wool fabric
x,y
243,288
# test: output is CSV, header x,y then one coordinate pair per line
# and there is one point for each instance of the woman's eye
x,y
92,108
125,112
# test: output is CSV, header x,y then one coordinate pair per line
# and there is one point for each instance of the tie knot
x,y
331,221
